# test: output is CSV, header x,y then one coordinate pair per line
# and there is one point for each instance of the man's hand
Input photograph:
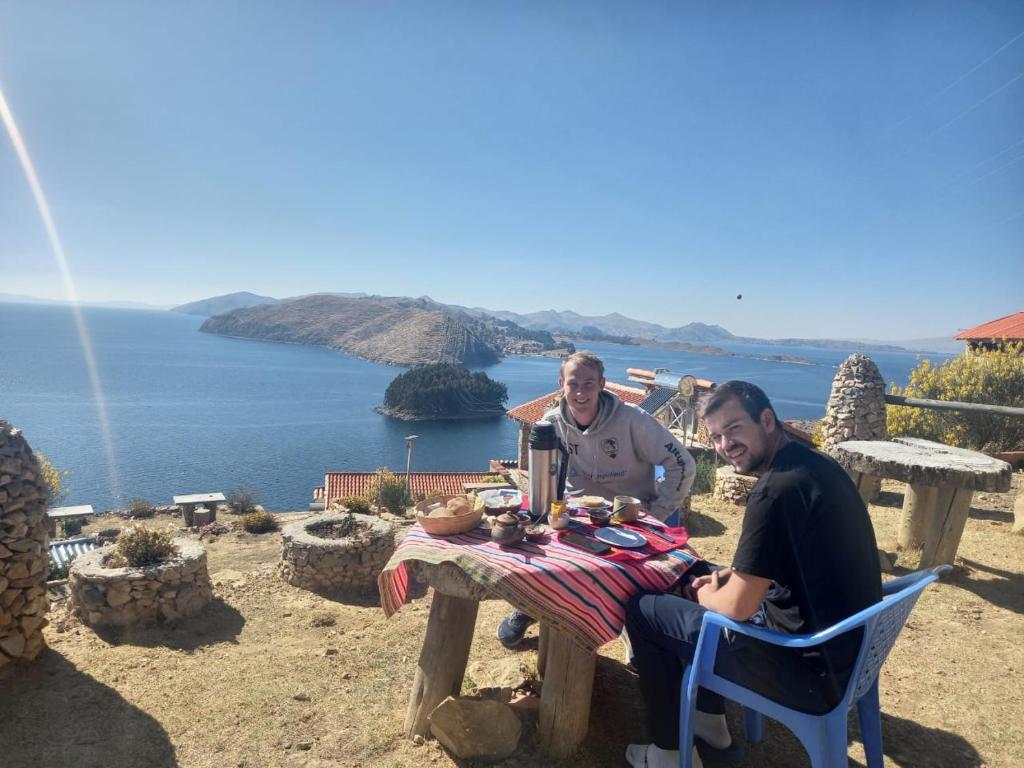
x,y
736,595
713,582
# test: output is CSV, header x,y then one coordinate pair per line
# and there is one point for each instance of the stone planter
x,y
102,596
312,562
733,487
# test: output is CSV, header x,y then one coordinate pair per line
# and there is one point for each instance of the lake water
x,y
191,412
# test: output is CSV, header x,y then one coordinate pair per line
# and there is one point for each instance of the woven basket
x,y
449,526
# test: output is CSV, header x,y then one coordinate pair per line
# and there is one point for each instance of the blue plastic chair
x,y
823,736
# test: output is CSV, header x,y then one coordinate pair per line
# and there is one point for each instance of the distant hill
x,y
226,303
17,298
394,330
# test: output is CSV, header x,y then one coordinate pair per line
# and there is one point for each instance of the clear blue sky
x,y
848,167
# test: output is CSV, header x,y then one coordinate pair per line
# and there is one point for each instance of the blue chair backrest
x,y
883,623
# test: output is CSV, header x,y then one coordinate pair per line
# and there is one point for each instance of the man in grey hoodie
x,y
613,449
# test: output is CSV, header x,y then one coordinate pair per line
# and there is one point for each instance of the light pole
x,y
409,440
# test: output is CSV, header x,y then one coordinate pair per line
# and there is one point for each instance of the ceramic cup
x,y
626,509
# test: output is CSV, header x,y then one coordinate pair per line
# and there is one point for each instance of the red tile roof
x,y
1010,327
531,412
340,484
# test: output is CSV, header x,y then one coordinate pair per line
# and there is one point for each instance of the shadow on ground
x,y
702,525
217,623
1006,591
41,700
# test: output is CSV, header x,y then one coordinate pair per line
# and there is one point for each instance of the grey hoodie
x,y
618,452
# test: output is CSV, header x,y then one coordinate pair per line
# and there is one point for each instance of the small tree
x,y
389,491
704,479
990,376
141,509
242,501
53,479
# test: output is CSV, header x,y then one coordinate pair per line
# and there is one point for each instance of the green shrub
x,y
242,501
138,547
995,377
72,526
389,491
704,480
358,504
57,571
140,509
259,521
493,479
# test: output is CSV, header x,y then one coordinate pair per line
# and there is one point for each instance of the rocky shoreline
x,y
395,413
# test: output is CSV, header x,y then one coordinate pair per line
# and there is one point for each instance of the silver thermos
x,y
544,461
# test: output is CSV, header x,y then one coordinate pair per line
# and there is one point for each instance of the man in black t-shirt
x,y
806,559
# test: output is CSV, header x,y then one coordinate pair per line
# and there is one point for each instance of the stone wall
x,y
24,549
856,411
731,486
311,562
102,596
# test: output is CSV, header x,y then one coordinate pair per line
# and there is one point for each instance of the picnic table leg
x,y
943,535
565,696
919,504
442,663
867,485
542,648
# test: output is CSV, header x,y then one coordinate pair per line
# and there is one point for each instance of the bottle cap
x,y
543,436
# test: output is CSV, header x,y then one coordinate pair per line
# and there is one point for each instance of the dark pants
x,y
663,629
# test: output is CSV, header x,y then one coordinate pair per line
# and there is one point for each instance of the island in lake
x,y
443,392
395,330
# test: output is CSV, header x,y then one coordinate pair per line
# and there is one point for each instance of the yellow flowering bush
x,y
995,377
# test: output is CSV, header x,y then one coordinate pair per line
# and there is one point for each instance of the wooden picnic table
x,y
188,503
479,570
66,513
941,479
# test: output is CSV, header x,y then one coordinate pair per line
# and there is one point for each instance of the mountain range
x,y
615,324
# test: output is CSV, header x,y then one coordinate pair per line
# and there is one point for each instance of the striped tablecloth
x,y
582,595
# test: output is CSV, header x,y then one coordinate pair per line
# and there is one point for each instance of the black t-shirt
x,y
806,528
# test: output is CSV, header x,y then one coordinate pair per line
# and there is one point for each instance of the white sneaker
x,y
653,756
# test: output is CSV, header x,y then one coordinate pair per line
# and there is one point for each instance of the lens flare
x,y
69,288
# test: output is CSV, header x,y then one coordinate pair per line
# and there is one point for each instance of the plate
x,y
576,505
619,537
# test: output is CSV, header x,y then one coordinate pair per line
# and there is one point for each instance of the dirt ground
x,y
271,675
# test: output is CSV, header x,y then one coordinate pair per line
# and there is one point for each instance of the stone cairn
x,y
312,562
731,486
856,411
118,597
24,549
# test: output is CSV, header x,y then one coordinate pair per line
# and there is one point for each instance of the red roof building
x,y
530,413
994,332
340,484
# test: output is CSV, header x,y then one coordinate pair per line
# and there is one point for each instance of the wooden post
x,y
542,648
442,663
943,535
565,697
918,510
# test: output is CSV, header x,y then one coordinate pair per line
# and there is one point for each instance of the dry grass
x,y
219,690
